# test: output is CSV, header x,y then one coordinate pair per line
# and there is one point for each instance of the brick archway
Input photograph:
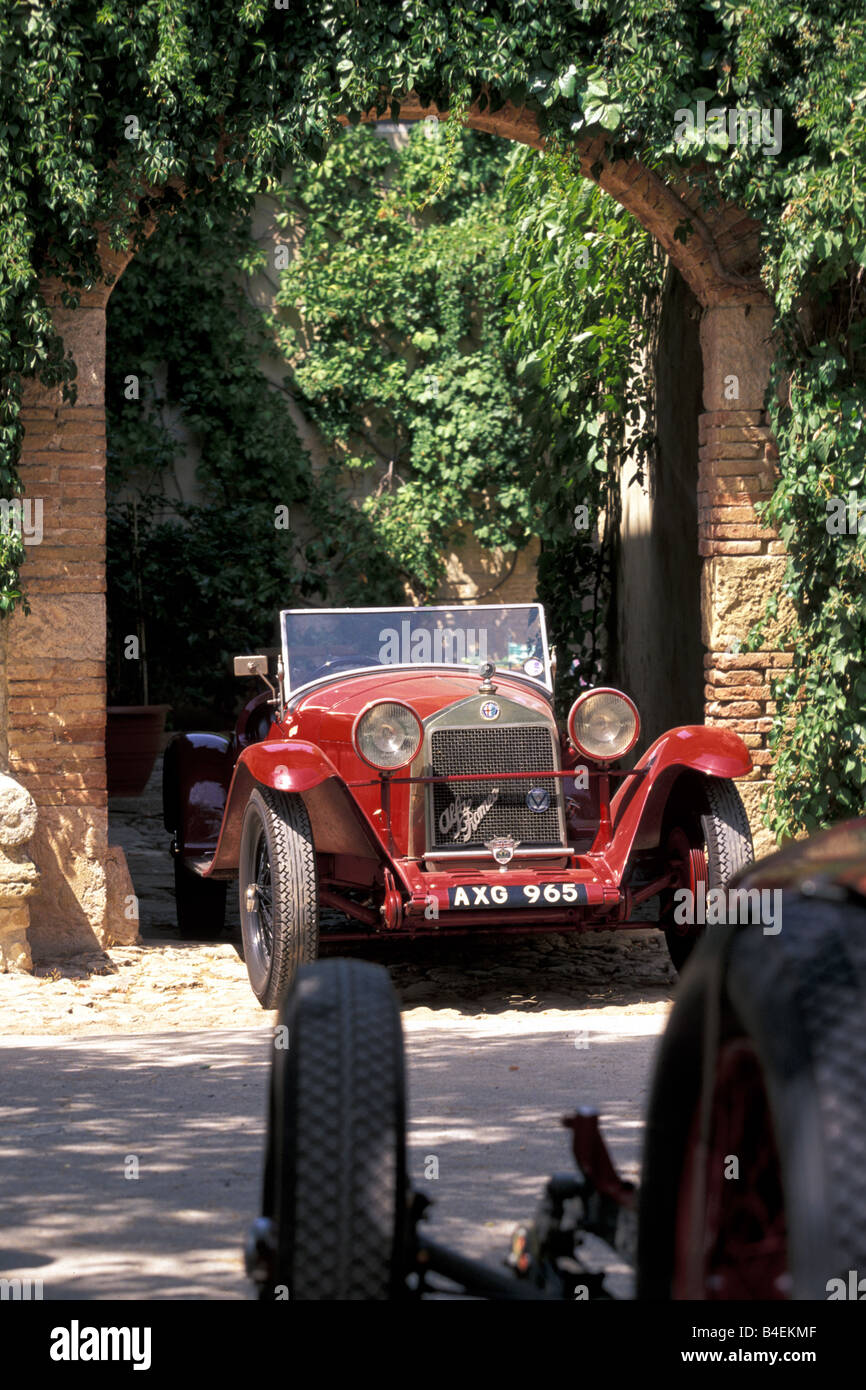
x,y
719,261
54,687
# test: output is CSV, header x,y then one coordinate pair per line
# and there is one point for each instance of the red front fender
x,y
339,825
637,809
287,765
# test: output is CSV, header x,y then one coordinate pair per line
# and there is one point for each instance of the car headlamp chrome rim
x,y
603,724
387,735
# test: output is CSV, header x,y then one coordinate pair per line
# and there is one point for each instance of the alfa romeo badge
x,y
490,710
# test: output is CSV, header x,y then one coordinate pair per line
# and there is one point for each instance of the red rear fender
x,y
196,774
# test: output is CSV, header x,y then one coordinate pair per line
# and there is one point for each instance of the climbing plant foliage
x,y
196,581
582,279
386,334
454,403
391,314
229,94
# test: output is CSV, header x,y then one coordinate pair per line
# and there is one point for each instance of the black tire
x,y
200,904
335,1180
718,822
280,919
795,1004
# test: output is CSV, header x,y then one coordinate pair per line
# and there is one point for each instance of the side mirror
x,y
251,666
258,666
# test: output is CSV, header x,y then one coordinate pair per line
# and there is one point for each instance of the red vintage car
x,y
405,769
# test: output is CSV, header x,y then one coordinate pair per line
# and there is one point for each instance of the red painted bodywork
x,y
638,807
361,826
196,774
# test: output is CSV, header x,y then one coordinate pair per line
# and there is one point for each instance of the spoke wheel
x,y
730,1223
705,845
262,900
278,890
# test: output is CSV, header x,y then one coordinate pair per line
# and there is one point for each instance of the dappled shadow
x,y
591,971
75,1116
188,1108
79,967
488,1109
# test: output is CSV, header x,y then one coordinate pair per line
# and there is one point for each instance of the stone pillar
x,y
55,659
19,877
743,561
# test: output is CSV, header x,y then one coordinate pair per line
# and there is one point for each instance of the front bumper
x,y
471,893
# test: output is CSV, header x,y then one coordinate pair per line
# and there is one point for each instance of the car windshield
x,y
324,641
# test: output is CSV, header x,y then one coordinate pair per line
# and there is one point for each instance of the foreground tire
x,y
763,1061
200,904
709,841
278,885
335,1178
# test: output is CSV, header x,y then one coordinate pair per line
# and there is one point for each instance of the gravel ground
x,y
174,985
167,983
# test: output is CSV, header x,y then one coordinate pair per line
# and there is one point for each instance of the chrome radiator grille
x,y
466,814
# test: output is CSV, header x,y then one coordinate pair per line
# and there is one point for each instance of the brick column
x,y
743,561
55,661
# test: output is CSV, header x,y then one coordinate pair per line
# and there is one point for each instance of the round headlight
x,y
387,735
603,724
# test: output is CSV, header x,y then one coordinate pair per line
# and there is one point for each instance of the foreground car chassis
x,y
764,1052
544,1262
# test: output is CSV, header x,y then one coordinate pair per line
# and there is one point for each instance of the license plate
x,y
517,895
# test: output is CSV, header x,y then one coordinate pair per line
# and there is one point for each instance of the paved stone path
x,y
131,1165
157,1056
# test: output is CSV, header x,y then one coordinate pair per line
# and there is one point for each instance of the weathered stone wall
x,y
476,575
657,651
19,877
694,565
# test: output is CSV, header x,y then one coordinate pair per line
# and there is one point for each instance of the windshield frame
x,y
545,681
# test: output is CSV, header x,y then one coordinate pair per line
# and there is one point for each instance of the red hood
x,y
427,691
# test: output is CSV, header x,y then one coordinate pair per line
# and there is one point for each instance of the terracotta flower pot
x,y
133,738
